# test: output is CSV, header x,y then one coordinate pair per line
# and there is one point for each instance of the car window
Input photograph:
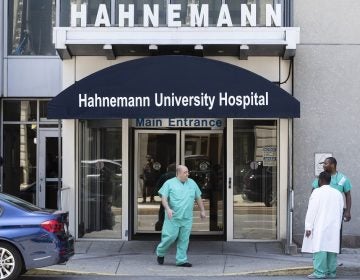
x,y
19,202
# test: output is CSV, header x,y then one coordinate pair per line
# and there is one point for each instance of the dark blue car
x,y
31,237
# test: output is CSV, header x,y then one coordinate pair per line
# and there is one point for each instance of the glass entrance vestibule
x,y
121,167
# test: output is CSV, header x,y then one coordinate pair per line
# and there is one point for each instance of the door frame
x,y
229,180
282,135
180,159
41,170
136,162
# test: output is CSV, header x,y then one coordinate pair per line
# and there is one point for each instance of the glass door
x,y
252,174
48,174
156,156
203,153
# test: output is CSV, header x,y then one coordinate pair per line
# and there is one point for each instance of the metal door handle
x,y
229,183
41,182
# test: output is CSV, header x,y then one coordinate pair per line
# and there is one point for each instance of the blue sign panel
x,y
176,87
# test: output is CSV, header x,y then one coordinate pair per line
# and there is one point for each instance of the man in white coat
x,y
322,228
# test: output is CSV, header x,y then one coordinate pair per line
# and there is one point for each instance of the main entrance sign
x,y
173,87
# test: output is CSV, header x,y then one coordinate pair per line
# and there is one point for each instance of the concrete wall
x,y
32,76
328,86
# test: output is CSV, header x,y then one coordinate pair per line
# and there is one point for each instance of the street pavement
x,y
230,260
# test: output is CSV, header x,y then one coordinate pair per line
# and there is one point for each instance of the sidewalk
x,y
209,258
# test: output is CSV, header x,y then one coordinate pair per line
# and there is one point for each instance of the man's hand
x,y
170,213
202,215
347,216
307,233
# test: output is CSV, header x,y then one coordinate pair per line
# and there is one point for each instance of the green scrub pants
x,y
325,264
171,231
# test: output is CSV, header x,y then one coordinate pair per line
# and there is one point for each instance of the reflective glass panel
x,y
214,8
92,9
255,179
100,192
52,172
19,169
43,108
156,163
52,157
30,26
139,10
204,157
235,10
16,110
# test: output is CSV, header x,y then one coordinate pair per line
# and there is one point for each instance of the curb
x,y
305,270
276,272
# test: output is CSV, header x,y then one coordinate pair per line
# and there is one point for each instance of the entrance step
x,y
104,247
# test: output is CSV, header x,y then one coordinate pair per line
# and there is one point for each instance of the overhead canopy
x,y
176,87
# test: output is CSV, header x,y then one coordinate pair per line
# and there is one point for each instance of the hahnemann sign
x,y
198,15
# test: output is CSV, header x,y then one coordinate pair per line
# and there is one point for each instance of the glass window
x,y
235,10
255,179
16,110
155,164
92,9
43,111
139,10
19,203
30,26
19,169
100,192
214,8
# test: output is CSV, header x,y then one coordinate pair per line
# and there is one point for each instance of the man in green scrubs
x,y
338,181
178,196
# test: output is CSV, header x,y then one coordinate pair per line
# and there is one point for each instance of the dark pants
x,y
148,190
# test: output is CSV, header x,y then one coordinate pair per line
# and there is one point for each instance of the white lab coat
x,y
323,218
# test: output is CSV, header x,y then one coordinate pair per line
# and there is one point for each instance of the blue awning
x,y
173,86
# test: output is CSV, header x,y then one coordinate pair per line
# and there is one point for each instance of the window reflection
x,y
235,10
255,179
30,27
214,8
100,180
16,110
139,10
19,168
92,9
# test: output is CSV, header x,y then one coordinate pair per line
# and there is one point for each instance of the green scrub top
x,y
181,197
338,181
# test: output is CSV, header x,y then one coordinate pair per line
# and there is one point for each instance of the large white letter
x,y
173,14
123,15
102,16
151,16
272,15
224,16
247,15
82,15
199,19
